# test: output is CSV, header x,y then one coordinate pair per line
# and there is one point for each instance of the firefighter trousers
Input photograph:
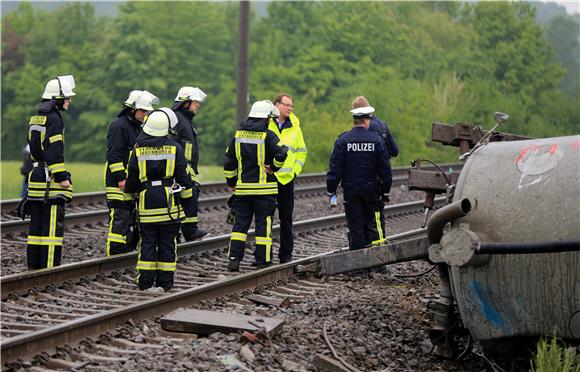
x,y
363,218
285,211
45,234
189,224
122,236
157,258
245,207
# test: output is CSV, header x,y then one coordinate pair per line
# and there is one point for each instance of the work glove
x,y
23,208
385,198
333,201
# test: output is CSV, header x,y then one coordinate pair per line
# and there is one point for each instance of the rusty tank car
x,y
508,246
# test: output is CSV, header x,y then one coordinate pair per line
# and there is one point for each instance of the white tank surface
x,y
525,192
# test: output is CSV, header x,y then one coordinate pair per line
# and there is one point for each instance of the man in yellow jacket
x,y
287,128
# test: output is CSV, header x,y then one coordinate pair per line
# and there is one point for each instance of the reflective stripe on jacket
x,y
121,137
252,148
292,138
155,164
46,141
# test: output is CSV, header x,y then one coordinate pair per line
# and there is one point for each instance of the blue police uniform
x,y
382,130
358,157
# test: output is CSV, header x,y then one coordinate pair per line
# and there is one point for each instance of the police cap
x,y
362,112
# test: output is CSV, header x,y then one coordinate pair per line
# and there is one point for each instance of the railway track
x,y
90,206
47,308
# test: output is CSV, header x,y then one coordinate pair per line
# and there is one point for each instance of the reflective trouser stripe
x,y
381,238
269,235
266,241
116,238
239,236
166,266
146,265
190,220
44,240
236,236
52,233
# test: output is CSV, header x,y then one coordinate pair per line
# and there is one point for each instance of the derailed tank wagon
x,y
507,244
513,260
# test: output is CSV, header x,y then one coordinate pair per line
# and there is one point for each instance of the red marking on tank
x,y
553,149
575,145
522,154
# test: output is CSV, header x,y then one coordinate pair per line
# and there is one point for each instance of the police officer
x,y
252,153
358,157
123,132
380,128
186,104
157,172
287,128
49,183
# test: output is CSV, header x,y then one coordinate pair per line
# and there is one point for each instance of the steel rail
x,y
98,197
212,202
24,281
49,338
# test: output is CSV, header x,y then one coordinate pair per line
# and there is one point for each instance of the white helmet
x,y
142,100
362,112
61,87
263,109
158,122
190,94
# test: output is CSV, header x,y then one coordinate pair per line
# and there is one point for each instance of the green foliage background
x,y
417,63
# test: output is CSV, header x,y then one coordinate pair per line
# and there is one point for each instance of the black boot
x,y
198,234
191,232
234,265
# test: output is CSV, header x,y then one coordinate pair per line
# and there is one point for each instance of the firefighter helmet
x,y
263,109
158,122
141,100
190,94
61,87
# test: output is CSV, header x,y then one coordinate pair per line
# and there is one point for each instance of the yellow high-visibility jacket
x,y
291,137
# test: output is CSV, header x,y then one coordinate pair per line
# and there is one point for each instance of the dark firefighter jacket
x,y
123,132
253,147
382,129
357,158
46,140
156,164
186,136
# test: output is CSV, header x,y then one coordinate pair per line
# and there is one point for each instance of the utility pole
x,y
243,62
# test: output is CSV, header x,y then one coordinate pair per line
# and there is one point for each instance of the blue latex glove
x,y
333,201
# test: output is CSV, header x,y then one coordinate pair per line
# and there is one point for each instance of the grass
x,y
86,177
552,356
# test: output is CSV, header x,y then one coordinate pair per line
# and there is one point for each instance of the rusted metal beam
x,y
431,181
466,136
414,247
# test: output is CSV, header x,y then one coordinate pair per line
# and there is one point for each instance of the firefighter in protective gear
x,y
49,183
380,128
122,236
157,173
358,160
186,104
252,153
287,128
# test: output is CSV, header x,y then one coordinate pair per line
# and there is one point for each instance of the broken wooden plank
x,y
263,300
207,322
